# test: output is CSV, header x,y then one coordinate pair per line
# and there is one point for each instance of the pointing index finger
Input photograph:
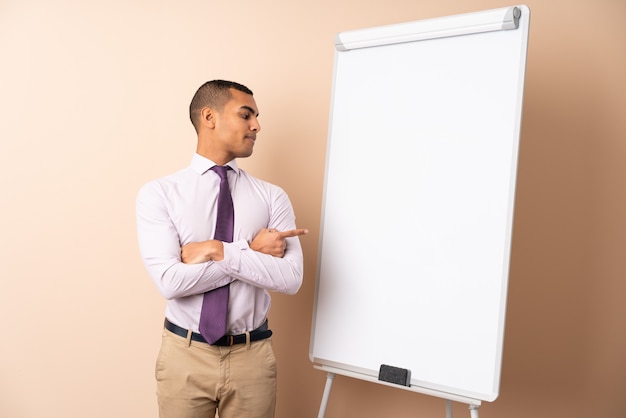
x,y
293,233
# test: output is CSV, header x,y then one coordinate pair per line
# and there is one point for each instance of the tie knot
x,y
221,170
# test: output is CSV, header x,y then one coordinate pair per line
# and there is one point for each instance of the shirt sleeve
x,y
283,275
159,245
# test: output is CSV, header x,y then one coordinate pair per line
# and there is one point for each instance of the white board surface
x,y
418,203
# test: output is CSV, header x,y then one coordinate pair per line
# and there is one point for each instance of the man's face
x,y
236,125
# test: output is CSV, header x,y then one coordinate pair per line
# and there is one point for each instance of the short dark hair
x,y
214,94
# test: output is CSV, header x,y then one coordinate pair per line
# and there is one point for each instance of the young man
x,y
198,373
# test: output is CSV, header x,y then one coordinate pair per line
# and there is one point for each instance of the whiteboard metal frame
x,y
333,371
463,24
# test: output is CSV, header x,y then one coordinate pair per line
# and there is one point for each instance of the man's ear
x,y
207,117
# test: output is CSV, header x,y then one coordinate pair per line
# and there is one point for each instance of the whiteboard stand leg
x,y
473,411
329,384
448,408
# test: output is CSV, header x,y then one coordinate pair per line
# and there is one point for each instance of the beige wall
x,y
93,104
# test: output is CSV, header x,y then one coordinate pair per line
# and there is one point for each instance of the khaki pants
x,y
195,379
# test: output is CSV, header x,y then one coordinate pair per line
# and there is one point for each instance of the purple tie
x,y
215,303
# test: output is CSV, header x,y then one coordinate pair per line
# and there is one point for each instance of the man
x,y
176,221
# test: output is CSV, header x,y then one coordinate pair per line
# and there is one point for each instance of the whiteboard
x,y
417,210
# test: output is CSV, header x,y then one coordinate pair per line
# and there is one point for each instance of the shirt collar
x,y
202,164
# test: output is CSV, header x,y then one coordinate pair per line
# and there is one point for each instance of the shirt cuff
x,y
232,256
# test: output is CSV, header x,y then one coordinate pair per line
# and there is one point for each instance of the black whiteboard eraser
x,y
394,375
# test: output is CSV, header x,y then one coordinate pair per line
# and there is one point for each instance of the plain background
x,y
93,103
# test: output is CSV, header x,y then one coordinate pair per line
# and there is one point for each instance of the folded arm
x,y
159,244
269,259
272,260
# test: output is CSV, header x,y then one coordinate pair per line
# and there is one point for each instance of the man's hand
x,y
201,252
271,241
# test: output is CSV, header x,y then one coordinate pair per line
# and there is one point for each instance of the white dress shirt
x,y
181,208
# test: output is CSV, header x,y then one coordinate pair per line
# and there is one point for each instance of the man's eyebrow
x,y
251,110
